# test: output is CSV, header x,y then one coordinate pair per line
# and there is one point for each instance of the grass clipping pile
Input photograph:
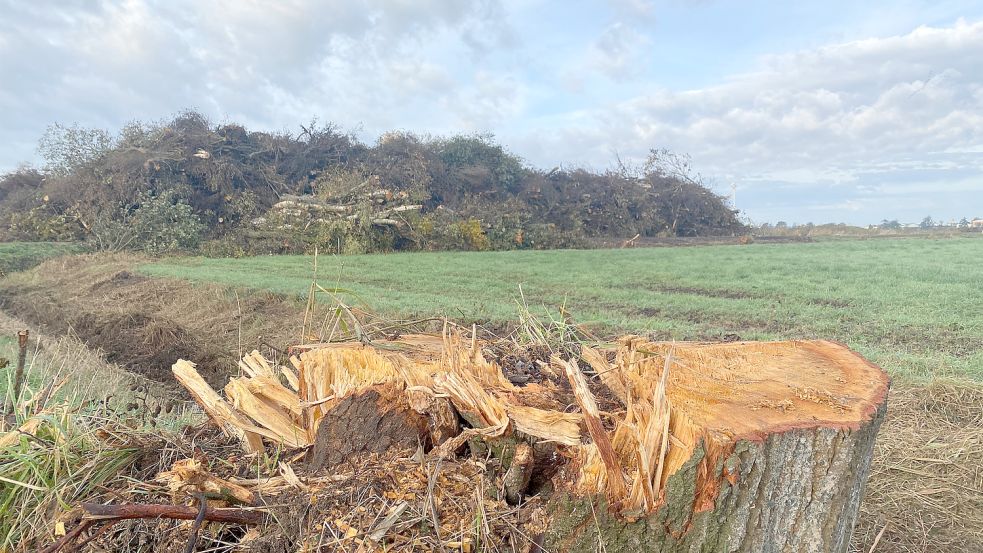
x,y
369,439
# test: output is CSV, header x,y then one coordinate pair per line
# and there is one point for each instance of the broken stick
x,y
231,422
98,511
19,373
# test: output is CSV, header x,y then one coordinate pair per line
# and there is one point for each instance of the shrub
x,y
41,224
481,151
165,224
155,225
472,235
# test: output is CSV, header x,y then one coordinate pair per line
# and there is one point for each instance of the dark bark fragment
x,y
370,421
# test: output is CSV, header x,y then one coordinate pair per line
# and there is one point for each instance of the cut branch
x,y
98,511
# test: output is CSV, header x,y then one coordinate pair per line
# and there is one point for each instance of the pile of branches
x,y
463,192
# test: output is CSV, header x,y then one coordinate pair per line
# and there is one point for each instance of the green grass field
x,y
18,256
914,306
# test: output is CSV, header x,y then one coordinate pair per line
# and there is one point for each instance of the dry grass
x,y
60,461
926,485
77,414
144,324
65,441
85,377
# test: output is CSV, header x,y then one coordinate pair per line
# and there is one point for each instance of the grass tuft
x,y
50,469
68,438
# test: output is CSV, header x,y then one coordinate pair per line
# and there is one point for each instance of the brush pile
x,y
657,443
164,185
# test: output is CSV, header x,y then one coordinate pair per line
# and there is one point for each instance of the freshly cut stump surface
x,y
770,449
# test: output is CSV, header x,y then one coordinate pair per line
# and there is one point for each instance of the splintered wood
x,y
641,438
265,403
189,476
661,404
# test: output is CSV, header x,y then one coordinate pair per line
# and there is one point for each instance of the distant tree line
x,y
886,226
927,223
185,184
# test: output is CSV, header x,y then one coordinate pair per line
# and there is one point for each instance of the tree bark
x,y
370,421
794,491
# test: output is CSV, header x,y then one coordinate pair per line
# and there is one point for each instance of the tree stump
x,y
771,451
670,447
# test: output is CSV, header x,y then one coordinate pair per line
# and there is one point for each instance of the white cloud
x,y
643,9
377,64
883,105
618,51
846,205
487,102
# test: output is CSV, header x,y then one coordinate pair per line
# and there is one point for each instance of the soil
x,y
523,365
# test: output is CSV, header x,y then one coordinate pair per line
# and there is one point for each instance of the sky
x,y
834,111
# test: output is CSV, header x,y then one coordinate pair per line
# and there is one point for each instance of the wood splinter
x,y
592,418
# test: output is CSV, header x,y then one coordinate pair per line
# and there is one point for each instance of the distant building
x,y
976,223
